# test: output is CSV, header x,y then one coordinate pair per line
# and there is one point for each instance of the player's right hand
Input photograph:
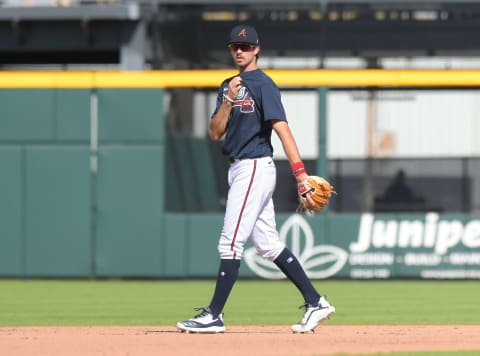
x,y
234,87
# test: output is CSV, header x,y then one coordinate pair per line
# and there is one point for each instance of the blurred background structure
x,y
165,34
400,128
392,150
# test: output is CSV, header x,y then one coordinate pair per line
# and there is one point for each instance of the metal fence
x,y
443,185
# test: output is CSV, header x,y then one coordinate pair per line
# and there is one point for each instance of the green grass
x,y
67,302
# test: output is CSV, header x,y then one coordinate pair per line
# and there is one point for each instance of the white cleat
x,y
314,314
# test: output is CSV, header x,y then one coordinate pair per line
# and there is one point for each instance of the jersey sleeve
x,y
221,90
219,100
272,103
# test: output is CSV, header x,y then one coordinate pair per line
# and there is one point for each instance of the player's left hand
x,y
314,193
304,193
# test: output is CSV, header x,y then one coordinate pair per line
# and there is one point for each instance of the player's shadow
x,y
171,330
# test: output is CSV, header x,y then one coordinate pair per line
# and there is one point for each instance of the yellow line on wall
x,y
213,78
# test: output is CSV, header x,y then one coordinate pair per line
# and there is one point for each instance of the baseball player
x,y
248,108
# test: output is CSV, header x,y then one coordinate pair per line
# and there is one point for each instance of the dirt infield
x,y
238,340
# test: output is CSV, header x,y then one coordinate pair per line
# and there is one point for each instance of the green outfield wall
x,y
83,190
82,182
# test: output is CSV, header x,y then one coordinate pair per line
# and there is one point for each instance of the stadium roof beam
x,y
118,12
78,34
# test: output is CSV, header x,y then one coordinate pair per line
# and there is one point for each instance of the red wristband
x,y
297,168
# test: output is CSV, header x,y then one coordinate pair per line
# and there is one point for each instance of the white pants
x,y
250,211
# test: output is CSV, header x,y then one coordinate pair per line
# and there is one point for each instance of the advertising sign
x,y
369,246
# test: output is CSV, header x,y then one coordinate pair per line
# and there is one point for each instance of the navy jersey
x,y
249,127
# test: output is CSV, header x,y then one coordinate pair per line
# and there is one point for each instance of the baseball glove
x,y
320,190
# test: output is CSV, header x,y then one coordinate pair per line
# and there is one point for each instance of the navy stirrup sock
x,y
226,277
289,265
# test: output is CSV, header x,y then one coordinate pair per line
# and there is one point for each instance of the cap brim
x,y
243,42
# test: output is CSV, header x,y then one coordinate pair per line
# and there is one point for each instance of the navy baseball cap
x,y
244,34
